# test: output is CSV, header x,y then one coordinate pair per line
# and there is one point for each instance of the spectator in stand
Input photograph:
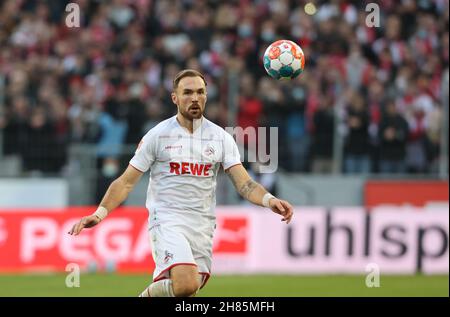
x,y
15,126
250,108
112,134
393,135
40,137
139,45
322,146
357,158
296,130
275,109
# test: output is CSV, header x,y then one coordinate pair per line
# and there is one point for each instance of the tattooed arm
x,y
255,193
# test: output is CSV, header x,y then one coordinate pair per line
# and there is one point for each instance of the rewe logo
x,y
197,169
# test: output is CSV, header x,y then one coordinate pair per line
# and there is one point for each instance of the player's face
x,y
190,97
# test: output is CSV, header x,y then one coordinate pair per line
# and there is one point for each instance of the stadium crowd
x,y
109,81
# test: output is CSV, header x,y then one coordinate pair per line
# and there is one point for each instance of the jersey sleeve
x,y
145,154
230,152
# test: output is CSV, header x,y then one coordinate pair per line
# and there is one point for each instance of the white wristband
x,y
101,212
267,197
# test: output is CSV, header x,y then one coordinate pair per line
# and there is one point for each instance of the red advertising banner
x,y
416,193
247,240
39,241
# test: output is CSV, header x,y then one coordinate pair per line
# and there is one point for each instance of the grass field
x,y
230,286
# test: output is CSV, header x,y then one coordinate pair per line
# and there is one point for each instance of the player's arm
x,y
256,193
116,194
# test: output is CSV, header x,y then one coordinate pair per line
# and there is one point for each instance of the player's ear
x,y
174,97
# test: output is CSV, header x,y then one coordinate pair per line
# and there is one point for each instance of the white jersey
x,y
183,171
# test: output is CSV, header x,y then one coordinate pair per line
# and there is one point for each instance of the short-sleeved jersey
x,y
183,170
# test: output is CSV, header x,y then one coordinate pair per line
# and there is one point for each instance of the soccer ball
x,y
284,59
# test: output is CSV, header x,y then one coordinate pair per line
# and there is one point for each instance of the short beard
x,y
187,115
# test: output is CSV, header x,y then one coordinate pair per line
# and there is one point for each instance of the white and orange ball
x,y
284,59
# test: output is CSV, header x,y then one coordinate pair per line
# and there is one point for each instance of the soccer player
x,y
184,154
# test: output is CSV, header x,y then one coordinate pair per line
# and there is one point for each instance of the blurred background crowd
x,y
378,90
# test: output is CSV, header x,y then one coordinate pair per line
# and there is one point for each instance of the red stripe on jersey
x,y
137,169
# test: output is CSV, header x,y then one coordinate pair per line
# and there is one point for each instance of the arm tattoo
x,y
248,188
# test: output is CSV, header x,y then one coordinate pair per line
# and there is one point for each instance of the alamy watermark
x,y
261,146
373,276
73,278
257,146
373,18
73,15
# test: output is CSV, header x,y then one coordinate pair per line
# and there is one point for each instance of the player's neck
x,y
188,124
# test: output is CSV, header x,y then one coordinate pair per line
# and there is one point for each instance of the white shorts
x,y
180,245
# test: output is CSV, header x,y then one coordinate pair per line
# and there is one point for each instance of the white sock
x,y
162,288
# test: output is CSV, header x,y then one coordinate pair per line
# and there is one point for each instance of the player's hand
x,y
85,222
283,208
